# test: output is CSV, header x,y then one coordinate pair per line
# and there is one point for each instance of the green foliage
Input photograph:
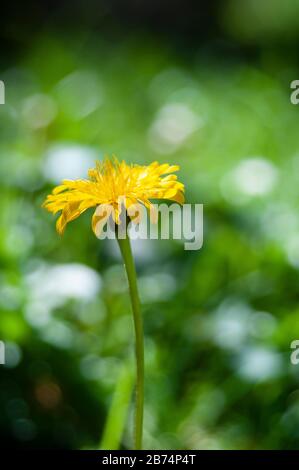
x,y
219,321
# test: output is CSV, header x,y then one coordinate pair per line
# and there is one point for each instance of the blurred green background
x,y
204,85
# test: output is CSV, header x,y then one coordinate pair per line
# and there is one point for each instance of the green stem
x,y
125,248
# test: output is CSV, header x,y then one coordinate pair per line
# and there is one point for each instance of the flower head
x,y
112,184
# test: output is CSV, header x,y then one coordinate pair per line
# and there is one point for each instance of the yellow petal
x,y
109,182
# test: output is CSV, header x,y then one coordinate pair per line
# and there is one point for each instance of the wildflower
x,y
110,183
113,186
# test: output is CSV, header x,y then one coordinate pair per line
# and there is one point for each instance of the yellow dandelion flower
x,y
113,187
110,183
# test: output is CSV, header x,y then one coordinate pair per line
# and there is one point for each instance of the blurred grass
x,y
118,412
218,322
